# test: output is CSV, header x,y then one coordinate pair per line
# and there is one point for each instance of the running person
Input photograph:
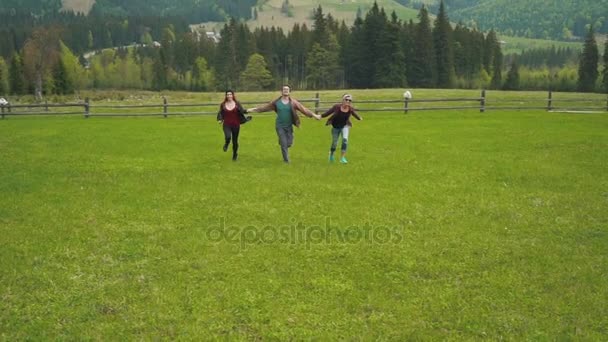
x,y
286,108
340,121
232,115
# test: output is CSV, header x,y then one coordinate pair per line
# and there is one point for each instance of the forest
x,y
64,53
545,19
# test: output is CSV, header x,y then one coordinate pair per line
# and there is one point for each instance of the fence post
x,y
550,101
406,102
482,102
46,105
317,99
86,108
165,109
2,108
9,108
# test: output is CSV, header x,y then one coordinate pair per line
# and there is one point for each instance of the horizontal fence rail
x,y
165,109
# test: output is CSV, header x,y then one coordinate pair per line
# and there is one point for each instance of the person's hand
x,y
317,116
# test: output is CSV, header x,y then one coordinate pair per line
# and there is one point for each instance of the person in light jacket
x,y
286,108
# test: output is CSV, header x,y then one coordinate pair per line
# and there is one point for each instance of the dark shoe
x,y
234,156
225,148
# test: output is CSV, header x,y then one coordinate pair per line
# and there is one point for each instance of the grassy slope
x,y
502,217
78,6
270,14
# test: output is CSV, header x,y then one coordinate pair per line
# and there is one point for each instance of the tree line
x,y
377,51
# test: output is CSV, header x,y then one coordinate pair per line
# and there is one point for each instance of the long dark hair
x,y
226,96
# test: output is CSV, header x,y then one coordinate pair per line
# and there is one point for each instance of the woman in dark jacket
x,y
232,115
340,121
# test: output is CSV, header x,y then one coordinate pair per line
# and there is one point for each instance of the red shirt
x,y
231,117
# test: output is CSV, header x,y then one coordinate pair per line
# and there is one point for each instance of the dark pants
x,y
285,135
232,132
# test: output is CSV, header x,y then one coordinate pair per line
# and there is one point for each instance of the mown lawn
x,y
444,225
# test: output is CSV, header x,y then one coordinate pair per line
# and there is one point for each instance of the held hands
x,y
317,116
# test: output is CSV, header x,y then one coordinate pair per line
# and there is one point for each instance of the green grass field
x,y
444,225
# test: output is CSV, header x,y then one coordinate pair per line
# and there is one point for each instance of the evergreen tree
x,y
316,67
512,81
442,43
256,75
374,28
587,67
408,45
226,60
159,80
60,80
4,78
497,60
605,72
422,69
355,57
320,30
489,46
390,69
462,41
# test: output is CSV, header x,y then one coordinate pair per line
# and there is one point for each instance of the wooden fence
x,y
405,105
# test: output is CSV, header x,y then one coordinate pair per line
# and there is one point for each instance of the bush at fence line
x,y
563,79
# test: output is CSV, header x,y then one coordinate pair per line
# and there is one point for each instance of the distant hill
x,y
272,12
547,19
192,10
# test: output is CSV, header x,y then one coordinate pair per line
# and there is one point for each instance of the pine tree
x,y
374,28
587,68
605,72
226,60
61,83
422,69
488,50
497,61
390,65
355,57
320,31
159,79
442,43
512,81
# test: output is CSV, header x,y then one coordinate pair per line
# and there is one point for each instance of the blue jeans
x,y
285,135
335,134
